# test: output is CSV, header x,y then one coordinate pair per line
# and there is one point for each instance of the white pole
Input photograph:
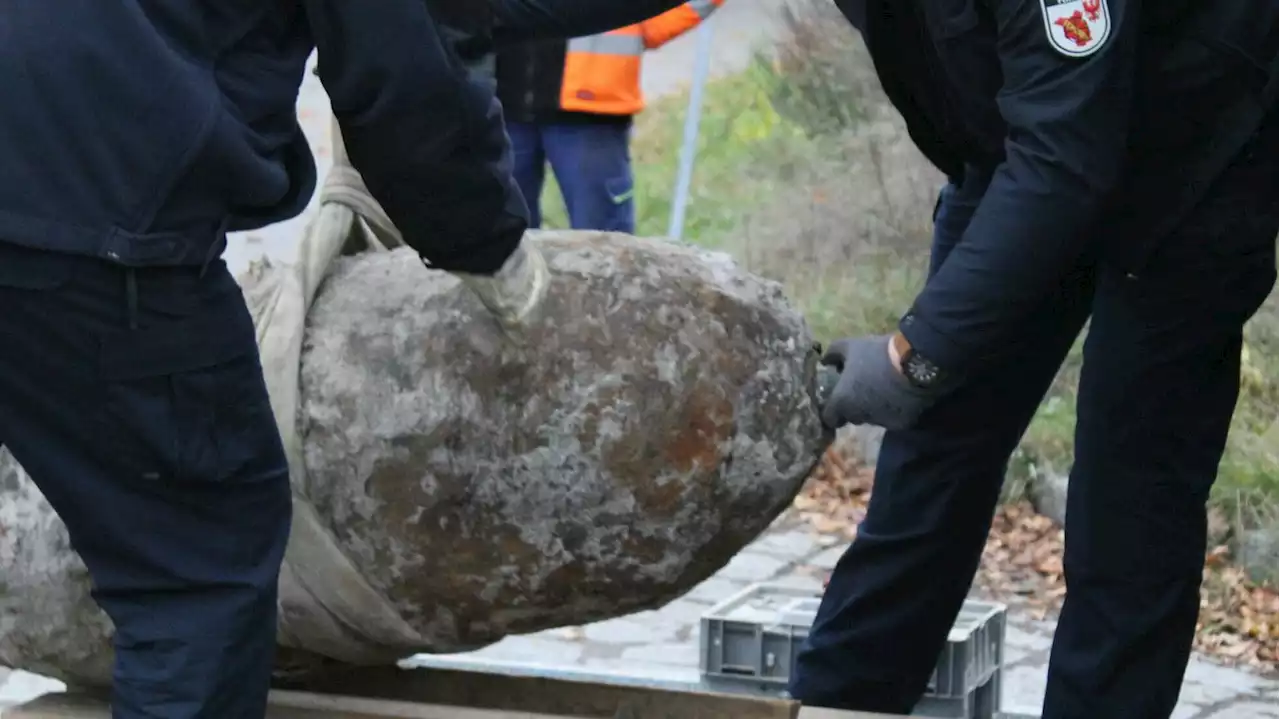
x,y
692,120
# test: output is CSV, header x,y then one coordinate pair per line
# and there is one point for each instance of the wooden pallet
x,y
391,693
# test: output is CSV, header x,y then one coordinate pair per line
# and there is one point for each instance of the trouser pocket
x,y
184,399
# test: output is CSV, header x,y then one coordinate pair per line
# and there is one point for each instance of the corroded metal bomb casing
x,y
654,420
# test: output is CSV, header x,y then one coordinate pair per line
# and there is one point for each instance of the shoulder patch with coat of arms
x,y
1076,28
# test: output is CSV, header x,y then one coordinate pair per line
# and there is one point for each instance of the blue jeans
x,y
592,165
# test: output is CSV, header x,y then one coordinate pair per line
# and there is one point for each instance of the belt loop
x,y
216,247
131,296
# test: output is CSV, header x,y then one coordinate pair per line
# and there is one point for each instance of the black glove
x,y
871,390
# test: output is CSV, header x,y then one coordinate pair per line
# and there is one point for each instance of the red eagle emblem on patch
x,y
1075,27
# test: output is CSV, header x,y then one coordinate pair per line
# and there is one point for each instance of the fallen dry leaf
x,y
1022,565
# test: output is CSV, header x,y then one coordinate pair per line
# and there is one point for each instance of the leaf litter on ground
x,y
1022,565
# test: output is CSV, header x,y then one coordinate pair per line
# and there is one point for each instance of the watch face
x,y
920,371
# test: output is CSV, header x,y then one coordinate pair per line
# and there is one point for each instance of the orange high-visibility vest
x,y
602,72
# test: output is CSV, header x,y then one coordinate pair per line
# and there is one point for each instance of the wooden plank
x,y
319,705
392,693
61,706
305,705
284,705
302,705
544,695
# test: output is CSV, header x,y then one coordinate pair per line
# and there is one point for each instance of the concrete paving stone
x,y
827,558
1207,685
682,654
749,566
808,570
800,581
535,648
1246,710
714,590
633,629
598,650
1194,692
646,670
670,619
1013,655
680,611
1035,638
792,544
1205,672
1023,686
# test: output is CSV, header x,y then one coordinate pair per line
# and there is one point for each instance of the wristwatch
x,y
916,368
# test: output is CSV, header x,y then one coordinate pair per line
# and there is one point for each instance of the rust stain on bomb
x,y
709,423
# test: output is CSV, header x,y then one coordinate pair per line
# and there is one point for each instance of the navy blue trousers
x,y
135,400
1156,395
592,165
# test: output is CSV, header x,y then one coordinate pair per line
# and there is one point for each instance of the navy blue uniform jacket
x,y
140,130
1086,117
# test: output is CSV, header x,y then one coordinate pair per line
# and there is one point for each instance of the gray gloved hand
x,y
870,390
514,294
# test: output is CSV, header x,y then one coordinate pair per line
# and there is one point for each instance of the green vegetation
x,y
804,174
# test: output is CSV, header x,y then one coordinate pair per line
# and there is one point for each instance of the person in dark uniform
x,y
1107,160
136,134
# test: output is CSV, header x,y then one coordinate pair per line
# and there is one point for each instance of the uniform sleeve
x,y
1068,120
427,138
673,23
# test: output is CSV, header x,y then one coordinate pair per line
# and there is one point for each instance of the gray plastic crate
x,y
750,641
981,703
